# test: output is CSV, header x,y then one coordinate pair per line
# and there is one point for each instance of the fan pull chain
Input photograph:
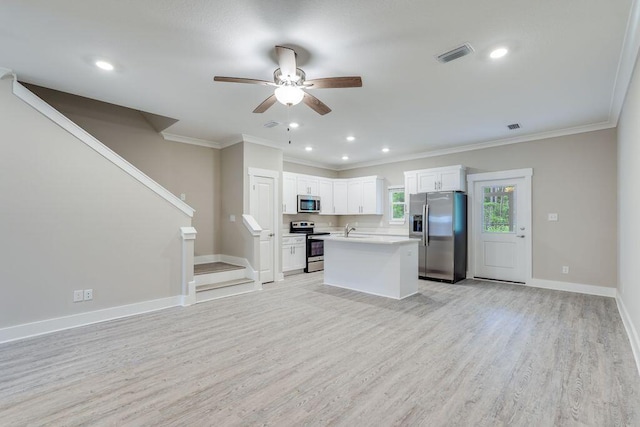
x,y
288,124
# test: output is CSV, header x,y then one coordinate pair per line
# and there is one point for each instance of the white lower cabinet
x,y
294,253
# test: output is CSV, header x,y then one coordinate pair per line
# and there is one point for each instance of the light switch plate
x,y
78,296
552,217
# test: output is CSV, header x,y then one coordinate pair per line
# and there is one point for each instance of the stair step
x,y
214,267
208,287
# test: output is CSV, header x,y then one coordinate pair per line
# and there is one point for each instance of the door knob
x,y
271,234
520,235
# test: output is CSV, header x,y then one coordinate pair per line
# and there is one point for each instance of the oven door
x,y
315,254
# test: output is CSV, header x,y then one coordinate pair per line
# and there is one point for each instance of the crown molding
x,y
6,72
261,141
483,145
310,163
191,141
626,63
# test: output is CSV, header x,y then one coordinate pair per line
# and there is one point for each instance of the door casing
x,y
473,218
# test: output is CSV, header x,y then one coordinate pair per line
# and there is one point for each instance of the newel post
x,y
188,284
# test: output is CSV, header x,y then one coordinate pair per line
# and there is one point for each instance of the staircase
x,y
220,279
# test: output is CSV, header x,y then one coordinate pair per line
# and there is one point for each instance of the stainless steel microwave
x,y
308,203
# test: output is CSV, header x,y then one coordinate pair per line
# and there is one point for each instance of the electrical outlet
x,y
88,294
552,217
565,269
77,296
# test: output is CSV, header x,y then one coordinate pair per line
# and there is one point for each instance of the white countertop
x,y
378,240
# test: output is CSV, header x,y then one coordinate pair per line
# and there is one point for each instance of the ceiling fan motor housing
x,y
297,81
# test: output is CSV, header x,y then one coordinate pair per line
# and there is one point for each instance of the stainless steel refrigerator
x,y
439,220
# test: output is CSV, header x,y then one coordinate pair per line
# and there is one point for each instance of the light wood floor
x,y
303,353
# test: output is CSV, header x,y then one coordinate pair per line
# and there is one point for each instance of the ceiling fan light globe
x,y
289,95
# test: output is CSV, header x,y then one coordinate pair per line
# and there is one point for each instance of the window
x,y
498,209
397,205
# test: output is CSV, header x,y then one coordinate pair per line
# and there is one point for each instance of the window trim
x,y
394,189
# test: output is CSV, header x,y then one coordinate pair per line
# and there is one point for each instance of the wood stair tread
x,y
208,287
214,267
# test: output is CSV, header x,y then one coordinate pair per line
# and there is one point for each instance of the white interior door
x,y
262,208
501,229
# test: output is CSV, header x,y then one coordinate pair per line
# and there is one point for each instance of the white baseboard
x,y
602,291
205,259
26,330
632,333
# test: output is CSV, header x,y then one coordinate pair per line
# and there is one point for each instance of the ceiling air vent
x,y
456,53
271,124
514,126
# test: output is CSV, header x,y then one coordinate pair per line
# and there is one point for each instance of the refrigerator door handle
x,y
425,226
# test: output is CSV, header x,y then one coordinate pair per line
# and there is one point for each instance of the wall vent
x,y
271,124
456,53
514,126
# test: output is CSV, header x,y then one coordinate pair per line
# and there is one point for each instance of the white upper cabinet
x,y
364,196
308,185
325,191
340,195
410,183
450,178
289,194
354,196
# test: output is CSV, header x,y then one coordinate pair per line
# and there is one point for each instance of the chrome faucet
x,y
348,230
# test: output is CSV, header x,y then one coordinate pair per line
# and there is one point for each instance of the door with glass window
x,y
500,228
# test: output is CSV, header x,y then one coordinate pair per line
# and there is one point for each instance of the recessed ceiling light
x,y
308,148
385,150
293,125
104,65
345,157
499,52
351,138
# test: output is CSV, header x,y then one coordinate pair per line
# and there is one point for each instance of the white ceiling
x,y
560,73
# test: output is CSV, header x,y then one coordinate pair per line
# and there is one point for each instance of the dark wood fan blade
x,y
242,80
265,104
286,61
334,82
315,104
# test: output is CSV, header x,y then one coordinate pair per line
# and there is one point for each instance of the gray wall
x,y
629,206
570,174
232,177
574,176
70,219
180,168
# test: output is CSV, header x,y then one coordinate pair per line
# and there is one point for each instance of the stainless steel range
x,y
315,247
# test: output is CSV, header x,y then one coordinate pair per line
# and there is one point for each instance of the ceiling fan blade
x,y
333,82
315,104
265,104
242,80
287,62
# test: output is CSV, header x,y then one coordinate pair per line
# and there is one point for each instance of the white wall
x,y
70,219
628,211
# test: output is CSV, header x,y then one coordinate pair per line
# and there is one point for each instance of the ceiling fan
x,y
290,83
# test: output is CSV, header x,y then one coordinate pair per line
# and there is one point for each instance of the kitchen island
x,y
380,265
